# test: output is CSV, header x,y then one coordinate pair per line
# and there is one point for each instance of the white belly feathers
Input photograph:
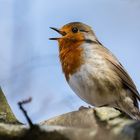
x,y
89,79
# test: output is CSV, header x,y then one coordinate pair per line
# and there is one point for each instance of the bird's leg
x,y
105,105
83,107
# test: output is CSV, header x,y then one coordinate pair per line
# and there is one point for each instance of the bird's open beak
x,y
57,30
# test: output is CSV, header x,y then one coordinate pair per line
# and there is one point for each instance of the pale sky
x,y
29,63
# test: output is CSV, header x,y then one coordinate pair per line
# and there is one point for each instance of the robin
x,y
93,72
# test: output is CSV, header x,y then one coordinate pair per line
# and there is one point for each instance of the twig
x,y
21,103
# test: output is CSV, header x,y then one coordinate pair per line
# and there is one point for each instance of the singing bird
x,y
93,72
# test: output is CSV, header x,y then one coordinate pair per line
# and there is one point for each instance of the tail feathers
x,y
129,108
134,114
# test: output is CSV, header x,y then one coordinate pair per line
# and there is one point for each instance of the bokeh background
x,y
29,64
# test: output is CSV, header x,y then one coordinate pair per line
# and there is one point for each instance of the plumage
x,y
93,72
119,69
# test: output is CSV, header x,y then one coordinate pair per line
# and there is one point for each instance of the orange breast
x,y
70,56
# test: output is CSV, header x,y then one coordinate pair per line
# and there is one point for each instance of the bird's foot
x,y
83,107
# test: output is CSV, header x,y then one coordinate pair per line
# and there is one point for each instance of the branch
x,y
99,124
21,103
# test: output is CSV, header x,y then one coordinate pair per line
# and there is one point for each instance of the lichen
x,y
6,114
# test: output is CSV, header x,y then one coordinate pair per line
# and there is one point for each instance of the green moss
x,y
6,114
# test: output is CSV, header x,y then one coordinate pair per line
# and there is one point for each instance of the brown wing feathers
x,y
118,68
127,81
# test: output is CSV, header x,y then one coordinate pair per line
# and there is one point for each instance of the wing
x,y
116,66
127,81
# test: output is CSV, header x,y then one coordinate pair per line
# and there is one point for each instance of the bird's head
x,y
74,33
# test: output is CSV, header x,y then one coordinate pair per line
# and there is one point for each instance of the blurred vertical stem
x,y
6,114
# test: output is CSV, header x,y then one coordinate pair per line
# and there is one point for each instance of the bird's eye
x,y
74,30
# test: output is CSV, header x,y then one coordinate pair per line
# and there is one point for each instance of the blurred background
x,y
29,63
